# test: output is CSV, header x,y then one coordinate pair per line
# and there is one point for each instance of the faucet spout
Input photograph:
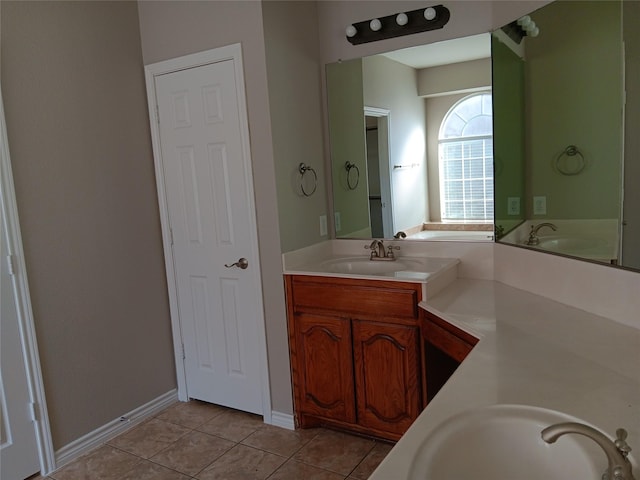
x,y
533,235
378,251
619,465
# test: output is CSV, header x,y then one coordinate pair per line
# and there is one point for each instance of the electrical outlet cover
x,y
513,206
540,205
323,225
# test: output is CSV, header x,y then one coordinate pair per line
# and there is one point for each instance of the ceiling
x,y
445,52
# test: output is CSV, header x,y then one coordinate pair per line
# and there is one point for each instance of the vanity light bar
x,y
397,25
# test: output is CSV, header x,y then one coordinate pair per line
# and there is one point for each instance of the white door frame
x,y
230,52
384,157
23,304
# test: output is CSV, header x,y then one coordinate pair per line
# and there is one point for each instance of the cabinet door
x,y
387,375
325,367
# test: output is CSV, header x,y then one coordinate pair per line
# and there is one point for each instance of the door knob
x,y
242,263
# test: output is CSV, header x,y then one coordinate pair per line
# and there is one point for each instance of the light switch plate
x,y
323,225
338,223
513,206
539,205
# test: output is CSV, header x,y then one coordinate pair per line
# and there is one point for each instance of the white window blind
x,y
466,160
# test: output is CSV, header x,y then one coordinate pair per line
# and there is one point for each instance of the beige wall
x,y
171,29
291,44
457,77
78,129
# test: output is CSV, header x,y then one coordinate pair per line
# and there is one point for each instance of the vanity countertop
x,y
349,259
532,351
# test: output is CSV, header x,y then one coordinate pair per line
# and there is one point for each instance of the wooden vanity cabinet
x,y
355,353
445,347
325,364
387,372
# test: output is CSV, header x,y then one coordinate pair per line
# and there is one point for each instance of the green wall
x,y
346,109
508,130
574,97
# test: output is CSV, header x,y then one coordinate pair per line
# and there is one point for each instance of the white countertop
x,y
532,351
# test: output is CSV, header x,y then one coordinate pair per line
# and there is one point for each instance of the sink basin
x,y
404,265
503,441
562,244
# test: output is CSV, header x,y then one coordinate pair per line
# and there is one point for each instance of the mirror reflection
x,y
411,142
562,156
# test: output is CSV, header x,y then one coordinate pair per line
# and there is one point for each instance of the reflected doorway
x,y
378,172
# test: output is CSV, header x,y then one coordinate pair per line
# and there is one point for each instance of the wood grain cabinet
x,y
445,347
356,354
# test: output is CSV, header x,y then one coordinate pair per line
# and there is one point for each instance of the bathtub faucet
x,y
533,235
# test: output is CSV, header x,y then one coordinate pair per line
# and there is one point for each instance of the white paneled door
x,y
209,202
18,443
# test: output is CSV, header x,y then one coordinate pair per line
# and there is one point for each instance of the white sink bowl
x,y
504,442
562,244
364,266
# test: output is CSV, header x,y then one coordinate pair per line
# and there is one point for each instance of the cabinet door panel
x,y
326,367
387,376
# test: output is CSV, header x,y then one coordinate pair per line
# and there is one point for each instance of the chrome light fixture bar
x,y
397,25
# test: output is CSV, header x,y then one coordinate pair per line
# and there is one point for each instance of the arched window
x,y
465,145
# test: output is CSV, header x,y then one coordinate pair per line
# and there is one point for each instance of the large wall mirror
x,y
389,117
566,158
407,137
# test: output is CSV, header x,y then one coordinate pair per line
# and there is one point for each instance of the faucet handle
x,y
390,250
621,442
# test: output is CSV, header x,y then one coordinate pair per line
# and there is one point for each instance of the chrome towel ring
x,y
566,164
303,169
351,183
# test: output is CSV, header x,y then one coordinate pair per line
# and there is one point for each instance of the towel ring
x,y
303,169
352,166
570,151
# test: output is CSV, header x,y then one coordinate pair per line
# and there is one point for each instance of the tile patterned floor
x,y
197,440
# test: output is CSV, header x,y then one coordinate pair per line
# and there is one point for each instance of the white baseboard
x,y
100,435
283,420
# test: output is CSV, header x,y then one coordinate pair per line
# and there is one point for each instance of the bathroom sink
x,y
404,265
565,244
504,441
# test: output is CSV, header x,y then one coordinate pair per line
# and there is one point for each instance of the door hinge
x,y
171,234
33,411
184,355
10,265
157,114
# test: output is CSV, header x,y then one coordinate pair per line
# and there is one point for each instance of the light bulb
x,y
524,21
430,13
375,24
402,19
351,31
534,33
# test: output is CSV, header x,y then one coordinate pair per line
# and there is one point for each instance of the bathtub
x,y
453,236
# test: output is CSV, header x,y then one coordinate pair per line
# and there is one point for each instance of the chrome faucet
x,y
616,451
533,235
378,251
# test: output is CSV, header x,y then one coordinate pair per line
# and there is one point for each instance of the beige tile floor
x,y
207,442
